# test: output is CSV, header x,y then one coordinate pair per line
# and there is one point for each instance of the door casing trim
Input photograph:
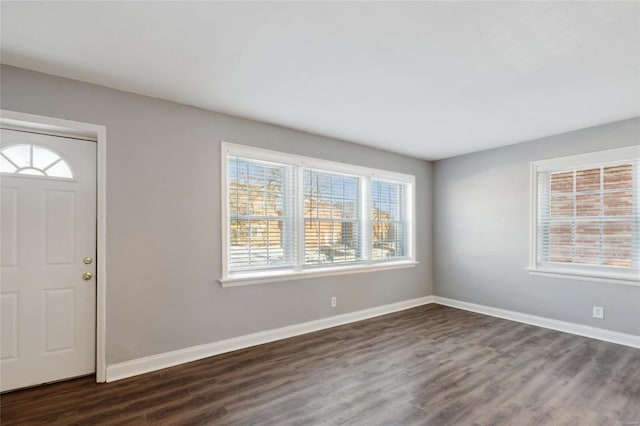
x,y
13,120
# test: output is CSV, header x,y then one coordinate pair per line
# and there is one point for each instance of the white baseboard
x,y
567,327
147,364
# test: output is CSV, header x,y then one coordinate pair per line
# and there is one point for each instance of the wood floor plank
x,y
431,365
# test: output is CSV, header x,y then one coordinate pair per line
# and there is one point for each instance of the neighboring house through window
x,y
288,216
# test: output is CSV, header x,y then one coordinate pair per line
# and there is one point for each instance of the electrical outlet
x,y
598,312
334,302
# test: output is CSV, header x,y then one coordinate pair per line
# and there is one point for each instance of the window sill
x,y
263,277
586,276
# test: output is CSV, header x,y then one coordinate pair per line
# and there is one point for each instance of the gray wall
x,y
481,233
163,219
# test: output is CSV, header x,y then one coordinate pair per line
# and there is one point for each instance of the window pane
x,y
588,194
260,233
561,182
389,230
588,204
561,205
587,243
619,203
20,155
617,243
331,218
60,169
331,242
330,196
588,180
388,240
560,242
618,176
42,157
256,243
6,166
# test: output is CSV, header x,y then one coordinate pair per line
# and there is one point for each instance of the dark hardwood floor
x,y
430,365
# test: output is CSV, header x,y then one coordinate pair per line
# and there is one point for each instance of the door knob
x,y
87,260
87,276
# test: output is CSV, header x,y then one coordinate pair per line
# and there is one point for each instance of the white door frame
x,y
54,126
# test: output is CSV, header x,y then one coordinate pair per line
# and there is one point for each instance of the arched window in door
x,y
33,160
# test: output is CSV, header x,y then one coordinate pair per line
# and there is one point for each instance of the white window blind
x,y
588,218
286,215
260,215
389,225
331,218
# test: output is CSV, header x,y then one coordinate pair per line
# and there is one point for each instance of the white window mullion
x,y
365,220
224,209
410,222
635,236
573,222
289,239
299,218
601,253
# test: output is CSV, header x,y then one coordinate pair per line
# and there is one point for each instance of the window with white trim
x,y
288,216
586,220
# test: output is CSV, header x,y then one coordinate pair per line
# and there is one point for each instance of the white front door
x,y
47,258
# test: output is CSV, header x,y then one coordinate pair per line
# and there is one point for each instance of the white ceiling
x,y
431,80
